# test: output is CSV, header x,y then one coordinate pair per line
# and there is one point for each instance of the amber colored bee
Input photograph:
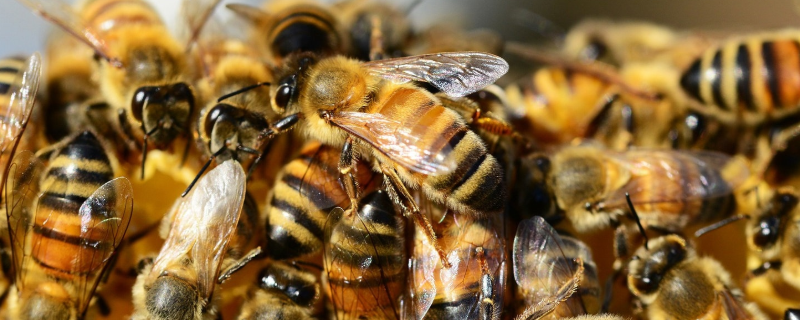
x,y
349,104
282,291
65,228
285,27
747,80
306,191
365,261
143,74
369,22
556,276
672,282
474,284
669,188
198,252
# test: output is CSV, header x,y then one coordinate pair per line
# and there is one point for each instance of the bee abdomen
x,y
755,75
477,182
307,29
105,15
299,207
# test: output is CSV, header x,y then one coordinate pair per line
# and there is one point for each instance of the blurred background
x,y
22,32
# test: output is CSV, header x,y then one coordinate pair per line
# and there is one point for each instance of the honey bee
x,y
65,228
474,284
180,282
670,188
729,85
620,43
369,22
306,191
282,291
672,282
772,256
556,275
286,27
364,260
143,74
347,104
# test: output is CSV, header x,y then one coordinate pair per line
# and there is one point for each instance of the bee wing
x,y
717,175
64,16
455,73
104,217
320,181
19,192
196,13
733,307
20,106
348,255
204,223
541,268
396,141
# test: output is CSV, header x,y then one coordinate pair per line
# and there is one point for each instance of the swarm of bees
x,y
333,162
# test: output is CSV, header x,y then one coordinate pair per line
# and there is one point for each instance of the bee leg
x,y
487,303
239,264
413,210
471,113
376,49
347,169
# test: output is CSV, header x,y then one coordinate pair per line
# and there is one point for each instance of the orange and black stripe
x,y
304,28
756,75
365,260
306,192
9,68
476,184
73,175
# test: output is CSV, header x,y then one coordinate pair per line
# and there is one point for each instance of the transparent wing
x,y
15,115
396,141
105,217
319,182
696,175
454,73
196,13
204,223
22,187
541,269
64,16
733,307
362,277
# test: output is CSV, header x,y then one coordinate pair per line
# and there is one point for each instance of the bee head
x,y
649,266
163,111
233,129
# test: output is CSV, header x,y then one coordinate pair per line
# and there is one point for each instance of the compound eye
x,y
766,231
140,98
647,283
211,119
283,96
301,294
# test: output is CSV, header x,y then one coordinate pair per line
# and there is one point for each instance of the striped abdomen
x,y
472,288
71,177
665,199
587,297
755,75
306,192
105,16
475,185
9,69
303,28
365,261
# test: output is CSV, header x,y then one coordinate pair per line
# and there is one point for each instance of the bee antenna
x,y
412,5
719,224
539,24
307,264
144,149
242,90
203,169
638,221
